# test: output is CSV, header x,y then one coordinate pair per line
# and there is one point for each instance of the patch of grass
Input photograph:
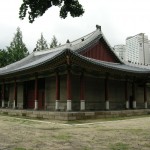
x,y
86,148
126,130
20,148
147,145
119,146
136,131
51,129
30,118
5,113
24,114
12,120
113,118
28,122
64,137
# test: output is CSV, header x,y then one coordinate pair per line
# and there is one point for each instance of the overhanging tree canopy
x,y
37,8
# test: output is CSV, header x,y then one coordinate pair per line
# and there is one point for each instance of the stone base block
x,y
14,104
82,105
134,104
127,104
145,105
57,105
3,103
107,105
69,105
35,105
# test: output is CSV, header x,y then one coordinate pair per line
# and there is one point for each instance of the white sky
x,y
118,19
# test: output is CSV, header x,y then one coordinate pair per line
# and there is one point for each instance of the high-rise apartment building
x,y
120,50
137,49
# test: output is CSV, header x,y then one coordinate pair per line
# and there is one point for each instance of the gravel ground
x,y
25,134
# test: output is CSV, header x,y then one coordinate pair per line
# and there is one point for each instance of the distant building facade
x,y
137,49
120,50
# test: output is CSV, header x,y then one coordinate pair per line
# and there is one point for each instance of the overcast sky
x,y
118,19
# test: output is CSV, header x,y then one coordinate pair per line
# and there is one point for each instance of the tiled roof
x,y
118,66
38,58
29,62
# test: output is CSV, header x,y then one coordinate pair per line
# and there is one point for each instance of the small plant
x,y
86,148
147,145
64,137
119,146
20,149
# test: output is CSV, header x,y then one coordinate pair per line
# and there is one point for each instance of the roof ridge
x,y
88,35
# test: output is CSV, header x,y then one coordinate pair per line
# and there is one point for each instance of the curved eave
x,y
77,59
116,68
52,62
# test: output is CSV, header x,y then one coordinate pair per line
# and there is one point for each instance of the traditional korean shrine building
x,y
83,75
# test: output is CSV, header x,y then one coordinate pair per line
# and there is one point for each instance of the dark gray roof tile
x,y
40,57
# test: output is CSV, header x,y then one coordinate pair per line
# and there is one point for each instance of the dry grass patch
x,y
63,137
119,146
22,134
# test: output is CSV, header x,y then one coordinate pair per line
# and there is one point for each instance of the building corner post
x,y
3,103
82,92
36,105
36,93
107,105
57,92
145,96
126,94
15,95
3,94
69,98
133,95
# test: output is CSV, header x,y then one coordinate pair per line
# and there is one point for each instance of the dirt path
x,y
22,134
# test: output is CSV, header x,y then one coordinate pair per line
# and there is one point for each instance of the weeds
x,y
64,137
119,146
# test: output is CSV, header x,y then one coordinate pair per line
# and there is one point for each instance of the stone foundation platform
x,y
69,116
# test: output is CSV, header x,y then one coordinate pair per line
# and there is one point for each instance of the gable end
x,y
100,51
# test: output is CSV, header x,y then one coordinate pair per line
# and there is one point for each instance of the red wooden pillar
x,y
3,94
106,93
57,91
126,94
133,95
82,89
69,106
15,94
145,96
36,92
